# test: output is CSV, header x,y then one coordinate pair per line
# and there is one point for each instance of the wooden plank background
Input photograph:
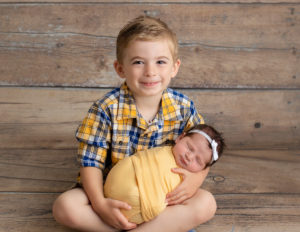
x,y
221,46
240,65
249,119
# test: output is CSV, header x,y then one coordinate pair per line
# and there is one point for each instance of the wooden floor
x,y
240,65
255,190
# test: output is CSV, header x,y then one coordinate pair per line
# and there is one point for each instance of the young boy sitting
x,y
144,179
141,114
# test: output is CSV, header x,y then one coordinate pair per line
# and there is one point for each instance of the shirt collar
x,y
126,107
168,111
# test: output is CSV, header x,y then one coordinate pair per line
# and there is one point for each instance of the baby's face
x,y
192,152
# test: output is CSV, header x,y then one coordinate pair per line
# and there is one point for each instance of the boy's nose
x,y
150,70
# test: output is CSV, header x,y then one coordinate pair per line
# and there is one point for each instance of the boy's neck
x,y
148,106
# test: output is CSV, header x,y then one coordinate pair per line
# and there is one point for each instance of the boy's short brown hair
x,y
145,28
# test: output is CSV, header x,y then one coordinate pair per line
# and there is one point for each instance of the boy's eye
x,y
161,62
137,62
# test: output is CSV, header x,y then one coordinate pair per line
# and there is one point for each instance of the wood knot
x,y
219,178
257,125
59,45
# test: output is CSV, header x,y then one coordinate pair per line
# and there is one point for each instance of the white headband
x,y
212,142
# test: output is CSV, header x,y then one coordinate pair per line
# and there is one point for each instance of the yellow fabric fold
x,y
143,180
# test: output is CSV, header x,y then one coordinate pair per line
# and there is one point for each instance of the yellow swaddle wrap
x,y
143,180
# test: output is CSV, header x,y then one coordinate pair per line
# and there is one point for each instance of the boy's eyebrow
x,y
136,57
139,57
163,57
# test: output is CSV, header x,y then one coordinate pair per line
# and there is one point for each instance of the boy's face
x,y
192,152
148,67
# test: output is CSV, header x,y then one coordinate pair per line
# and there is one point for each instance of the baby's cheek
x,y
190,168
196,167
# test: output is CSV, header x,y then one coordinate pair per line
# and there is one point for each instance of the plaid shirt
x,y
114,129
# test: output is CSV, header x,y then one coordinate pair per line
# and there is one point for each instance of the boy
x,y
141,114
148,173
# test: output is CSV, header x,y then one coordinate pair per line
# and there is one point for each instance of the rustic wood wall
x,y
240,65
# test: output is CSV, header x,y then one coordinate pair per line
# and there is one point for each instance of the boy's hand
x,y
188,187
109,211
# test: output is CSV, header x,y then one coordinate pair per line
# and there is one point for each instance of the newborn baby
x,y
143,179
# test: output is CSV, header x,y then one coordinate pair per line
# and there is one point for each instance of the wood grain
x,y
37,170
28,212
237,172
85,61
256,171
222,25
222,45
245,212
255,213
47,118
240,65
153,1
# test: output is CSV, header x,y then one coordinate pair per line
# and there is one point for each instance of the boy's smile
x,y
148,67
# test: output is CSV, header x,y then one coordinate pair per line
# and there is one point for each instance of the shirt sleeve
x,y
194,119
94,135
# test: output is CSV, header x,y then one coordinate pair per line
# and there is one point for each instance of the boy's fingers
x,y
125,224
177,200
121,221
175,197
174,193
128,226
171,196
180,171
122,205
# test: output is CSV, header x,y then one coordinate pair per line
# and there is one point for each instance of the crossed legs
x,y
73,210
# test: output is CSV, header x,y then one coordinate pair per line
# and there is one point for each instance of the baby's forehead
x,y
197,138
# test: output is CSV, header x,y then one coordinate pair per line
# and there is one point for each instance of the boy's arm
x,y
107,209
188,187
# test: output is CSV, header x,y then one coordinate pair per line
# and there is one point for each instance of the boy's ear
x,y
119,69
176,68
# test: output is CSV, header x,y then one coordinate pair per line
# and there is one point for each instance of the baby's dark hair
x,y
214,135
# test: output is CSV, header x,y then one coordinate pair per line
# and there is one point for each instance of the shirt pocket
x,y
121,148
